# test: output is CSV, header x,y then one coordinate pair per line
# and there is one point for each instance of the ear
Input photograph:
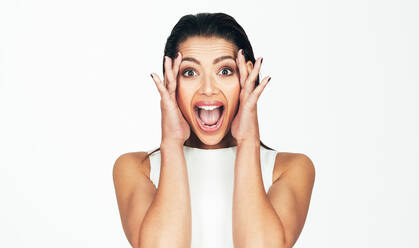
x,y
249,66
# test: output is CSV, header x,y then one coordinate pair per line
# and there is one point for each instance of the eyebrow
x,y
217,60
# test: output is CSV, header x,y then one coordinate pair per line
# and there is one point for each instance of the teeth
x,y
208,107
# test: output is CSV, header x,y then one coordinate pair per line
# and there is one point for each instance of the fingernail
x,y
269,79
177,54
151,76
241,51
261,60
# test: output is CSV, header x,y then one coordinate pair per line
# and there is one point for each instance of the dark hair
x,y
209,25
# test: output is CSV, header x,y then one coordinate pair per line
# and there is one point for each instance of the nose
x,y
208,87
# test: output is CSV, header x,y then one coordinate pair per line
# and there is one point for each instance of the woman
x,y
218,184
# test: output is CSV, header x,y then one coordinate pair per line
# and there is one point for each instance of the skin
x,y
201,79
275,219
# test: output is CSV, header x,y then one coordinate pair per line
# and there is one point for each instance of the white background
x,y
75,93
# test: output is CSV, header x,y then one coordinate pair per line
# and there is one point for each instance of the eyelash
x,y
224,68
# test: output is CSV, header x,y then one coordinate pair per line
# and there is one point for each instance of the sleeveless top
x,y
211,182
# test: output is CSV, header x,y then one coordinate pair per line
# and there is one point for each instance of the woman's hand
x,y
245,125
174,126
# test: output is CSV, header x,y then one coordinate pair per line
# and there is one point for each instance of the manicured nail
x,y
241,51
261,60
269,79
177,54
151,76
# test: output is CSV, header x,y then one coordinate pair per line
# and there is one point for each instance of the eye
x,y
188,73
226,69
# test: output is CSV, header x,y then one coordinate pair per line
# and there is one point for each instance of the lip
x,y
203,127
209,103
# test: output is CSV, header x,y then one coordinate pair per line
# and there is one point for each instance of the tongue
x,y
210,117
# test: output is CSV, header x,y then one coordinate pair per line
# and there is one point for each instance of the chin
x,y
209,139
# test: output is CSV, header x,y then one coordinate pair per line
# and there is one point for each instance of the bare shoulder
x,y
291,191
132,163
134,192
286,160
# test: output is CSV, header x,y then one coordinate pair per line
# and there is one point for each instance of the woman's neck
x,y
227,141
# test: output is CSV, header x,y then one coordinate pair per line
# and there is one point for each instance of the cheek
x,y
233,95
184,99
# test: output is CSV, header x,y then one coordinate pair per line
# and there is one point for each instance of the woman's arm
x,y
260,220
275,219
255,222
134,192
290,193
168,219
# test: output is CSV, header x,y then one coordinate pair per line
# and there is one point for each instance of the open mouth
x,y
209,115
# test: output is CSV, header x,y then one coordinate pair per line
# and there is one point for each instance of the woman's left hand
x,y
244,127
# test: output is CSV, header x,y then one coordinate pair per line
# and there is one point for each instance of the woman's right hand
x,y
175,129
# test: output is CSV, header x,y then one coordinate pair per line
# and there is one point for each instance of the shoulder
x,y
131,163
285,161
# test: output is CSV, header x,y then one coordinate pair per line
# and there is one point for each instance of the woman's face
x,y
208,86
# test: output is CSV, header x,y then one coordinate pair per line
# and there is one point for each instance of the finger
x,y
249,84
167,64
258,91
176,63
160,86
165,73
242,67
176,66
169,74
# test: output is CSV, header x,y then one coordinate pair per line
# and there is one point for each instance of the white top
x,y
211,181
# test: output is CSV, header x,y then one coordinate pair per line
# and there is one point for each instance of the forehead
x,y
207,46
